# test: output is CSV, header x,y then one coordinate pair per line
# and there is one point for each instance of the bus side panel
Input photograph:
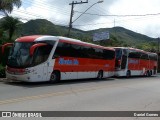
x,y
144,65
133,64
79,68
138,66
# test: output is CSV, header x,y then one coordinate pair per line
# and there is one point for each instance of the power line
x,y
46,7
65,12
153,14
44,4
119,21
36,16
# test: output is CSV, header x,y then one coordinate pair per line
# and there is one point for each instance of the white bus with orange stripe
x,y
135,62
52,58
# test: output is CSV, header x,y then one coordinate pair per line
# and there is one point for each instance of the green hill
x,y
118,36
125,35
38,26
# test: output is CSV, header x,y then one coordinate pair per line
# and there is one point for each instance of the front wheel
x,y
100,75
128,74
55,77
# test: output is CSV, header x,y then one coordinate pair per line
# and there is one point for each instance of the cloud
x,y
147,25
42,10
58,12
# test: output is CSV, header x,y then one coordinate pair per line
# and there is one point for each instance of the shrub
x,y
2,72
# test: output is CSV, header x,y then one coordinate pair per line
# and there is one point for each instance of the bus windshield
x,y
19,56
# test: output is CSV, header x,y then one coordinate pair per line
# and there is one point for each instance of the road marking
x,y
48,95
15,100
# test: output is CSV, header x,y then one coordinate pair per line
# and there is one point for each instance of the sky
x,y
142,16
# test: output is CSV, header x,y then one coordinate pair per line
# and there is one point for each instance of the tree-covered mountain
x,y
38,26
118,36
125,35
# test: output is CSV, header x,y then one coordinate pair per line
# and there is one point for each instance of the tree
x,y
10,24
6,6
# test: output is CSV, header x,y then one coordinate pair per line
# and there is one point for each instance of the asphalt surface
x,y
111,94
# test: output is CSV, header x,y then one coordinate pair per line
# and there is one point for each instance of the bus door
x,y
48,65
48,69
118,58
121,58
40,54
124,59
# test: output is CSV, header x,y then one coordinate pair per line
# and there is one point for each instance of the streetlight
x,y
70,24
100,1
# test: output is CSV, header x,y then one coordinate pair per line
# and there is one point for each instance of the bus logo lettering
x,y
106,65
62,61
75,62
133,61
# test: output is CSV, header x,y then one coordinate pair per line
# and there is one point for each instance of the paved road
x,y
112,94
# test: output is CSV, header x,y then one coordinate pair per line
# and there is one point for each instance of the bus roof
x,y
130,48
135,49
36,38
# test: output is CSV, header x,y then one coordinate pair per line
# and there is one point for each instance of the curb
x,y
2,79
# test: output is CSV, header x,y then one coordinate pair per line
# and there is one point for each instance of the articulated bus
x,y
135,62
53,58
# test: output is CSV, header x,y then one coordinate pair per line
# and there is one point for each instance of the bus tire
x,y
155,70
151,73
148,74
128,74
100,74
55,77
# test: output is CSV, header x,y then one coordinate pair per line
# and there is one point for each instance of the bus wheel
x,y
148,74
128,74
100,74
55,77
151,73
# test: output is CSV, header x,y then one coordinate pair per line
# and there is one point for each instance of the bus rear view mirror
x,y
33,47
2,50
6,45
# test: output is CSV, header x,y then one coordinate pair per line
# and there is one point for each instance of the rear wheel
x,y
128,74
148,74
151,73
100,75
55,77
155,70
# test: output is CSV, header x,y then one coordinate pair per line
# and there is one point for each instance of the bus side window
x,y
108,54
153,57
144,56
125,52
58,51
134,54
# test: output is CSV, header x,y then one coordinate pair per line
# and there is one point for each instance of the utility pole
x,y
158,44
114,27
71,16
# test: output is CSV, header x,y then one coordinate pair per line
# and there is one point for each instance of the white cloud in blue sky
x,y
58,11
